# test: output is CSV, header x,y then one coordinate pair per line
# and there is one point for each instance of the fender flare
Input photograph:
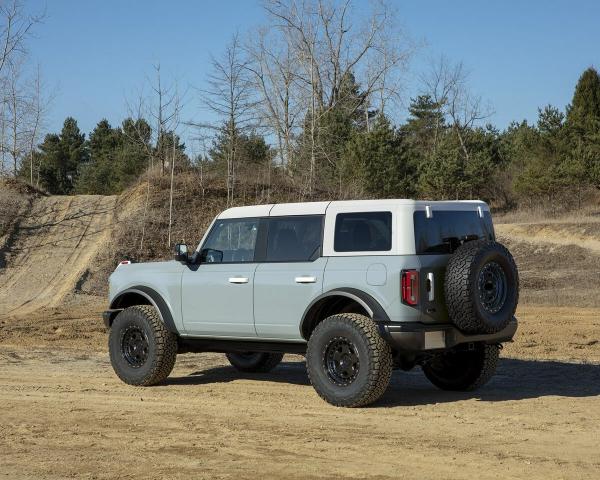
x,y
155,299
370,304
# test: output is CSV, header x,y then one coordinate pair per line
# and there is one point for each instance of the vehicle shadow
x,y
515,379
286,372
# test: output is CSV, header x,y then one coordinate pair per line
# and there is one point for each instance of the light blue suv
x,y
358,287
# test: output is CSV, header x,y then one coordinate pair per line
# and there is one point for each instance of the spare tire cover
x,y
481,287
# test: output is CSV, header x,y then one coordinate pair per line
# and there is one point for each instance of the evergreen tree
x,y
100,174
546,158
583,115
425,125
117,156
251,150
583,128
61,156
449,174
384,165
334,128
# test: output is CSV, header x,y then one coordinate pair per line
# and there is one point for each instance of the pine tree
x,y
382,160
61,156
583,115
100,173
425,126
583,126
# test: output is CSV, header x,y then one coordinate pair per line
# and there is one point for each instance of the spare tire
x,y
481,287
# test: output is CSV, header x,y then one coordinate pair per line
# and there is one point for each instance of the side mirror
x,y
181,252
208,255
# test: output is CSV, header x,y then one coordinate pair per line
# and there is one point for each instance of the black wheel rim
x,y
134,346
492,287
341,361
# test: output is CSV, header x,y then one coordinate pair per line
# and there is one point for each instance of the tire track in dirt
x,y
55,244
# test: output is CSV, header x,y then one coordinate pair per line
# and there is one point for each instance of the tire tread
x,y
381,364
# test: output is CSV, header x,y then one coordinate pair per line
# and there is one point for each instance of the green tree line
x,y
361,153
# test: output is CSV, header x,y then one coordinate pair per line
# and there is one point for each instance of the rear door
x,y
289,276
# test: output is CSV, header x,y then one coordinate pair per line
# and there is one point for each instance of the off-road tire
x,y
464,294
254,362
161,346
463,370
372,352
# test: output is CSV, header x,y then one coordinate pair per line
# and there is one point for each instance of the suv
x,y
358,287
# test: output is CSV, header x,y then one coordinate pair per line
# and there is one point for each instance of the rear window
x,y
363,232
444,231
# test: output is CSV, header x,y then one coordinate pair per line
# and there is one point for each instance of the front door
x,y
290,277
217,292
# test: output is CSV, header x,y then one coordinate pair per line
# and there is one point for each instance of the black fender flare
x,y
370,304
154,298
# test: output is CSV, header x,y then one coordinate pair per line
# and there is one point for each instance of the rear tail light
x,y
410,287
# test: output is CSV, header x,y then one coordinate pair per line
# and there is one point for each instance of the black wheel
x,y
262,362
481,287
348,362
463,370
142,351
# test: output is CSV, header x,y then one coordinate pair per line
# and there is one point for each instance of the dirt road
x,y
64,415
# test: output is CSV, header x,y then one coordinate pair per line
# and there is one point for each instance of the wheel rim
x,y
492,287
341,361
134,346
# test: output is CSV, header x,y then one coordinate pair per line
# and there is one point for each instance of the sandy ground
x,y
64,414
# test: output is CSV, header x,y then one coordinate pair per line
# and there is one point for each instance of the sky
x,y
96,55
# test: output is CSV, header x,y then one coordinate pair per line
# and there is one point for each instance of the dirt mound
x,y
50,249
559,262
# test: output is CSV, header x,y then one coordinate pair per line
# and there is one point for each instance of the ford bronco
x,y
358,287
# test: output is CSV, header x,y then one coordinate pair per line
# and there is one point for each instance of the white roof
x,y
319,208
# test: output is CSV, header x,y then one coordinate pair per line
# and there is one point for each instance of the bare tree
x,y
15,27
329,43
447,85
274,72
165,111
37,108
162,105
16,110
230,96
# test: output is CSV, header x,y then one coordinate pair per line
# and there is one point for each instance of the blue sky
x,y
520,55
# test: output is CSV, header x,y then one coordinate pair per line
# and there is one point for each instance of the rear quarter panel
x,y
366,274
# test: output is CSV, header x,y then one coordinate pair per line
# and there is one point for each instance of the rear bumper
x,y
418,337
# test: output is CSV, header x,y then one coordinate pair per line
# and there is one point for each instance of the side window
x,y
294,239
230,241
363,232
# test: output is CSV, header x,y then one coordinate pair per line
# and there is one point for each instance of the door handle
x,y
306,279
238,279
